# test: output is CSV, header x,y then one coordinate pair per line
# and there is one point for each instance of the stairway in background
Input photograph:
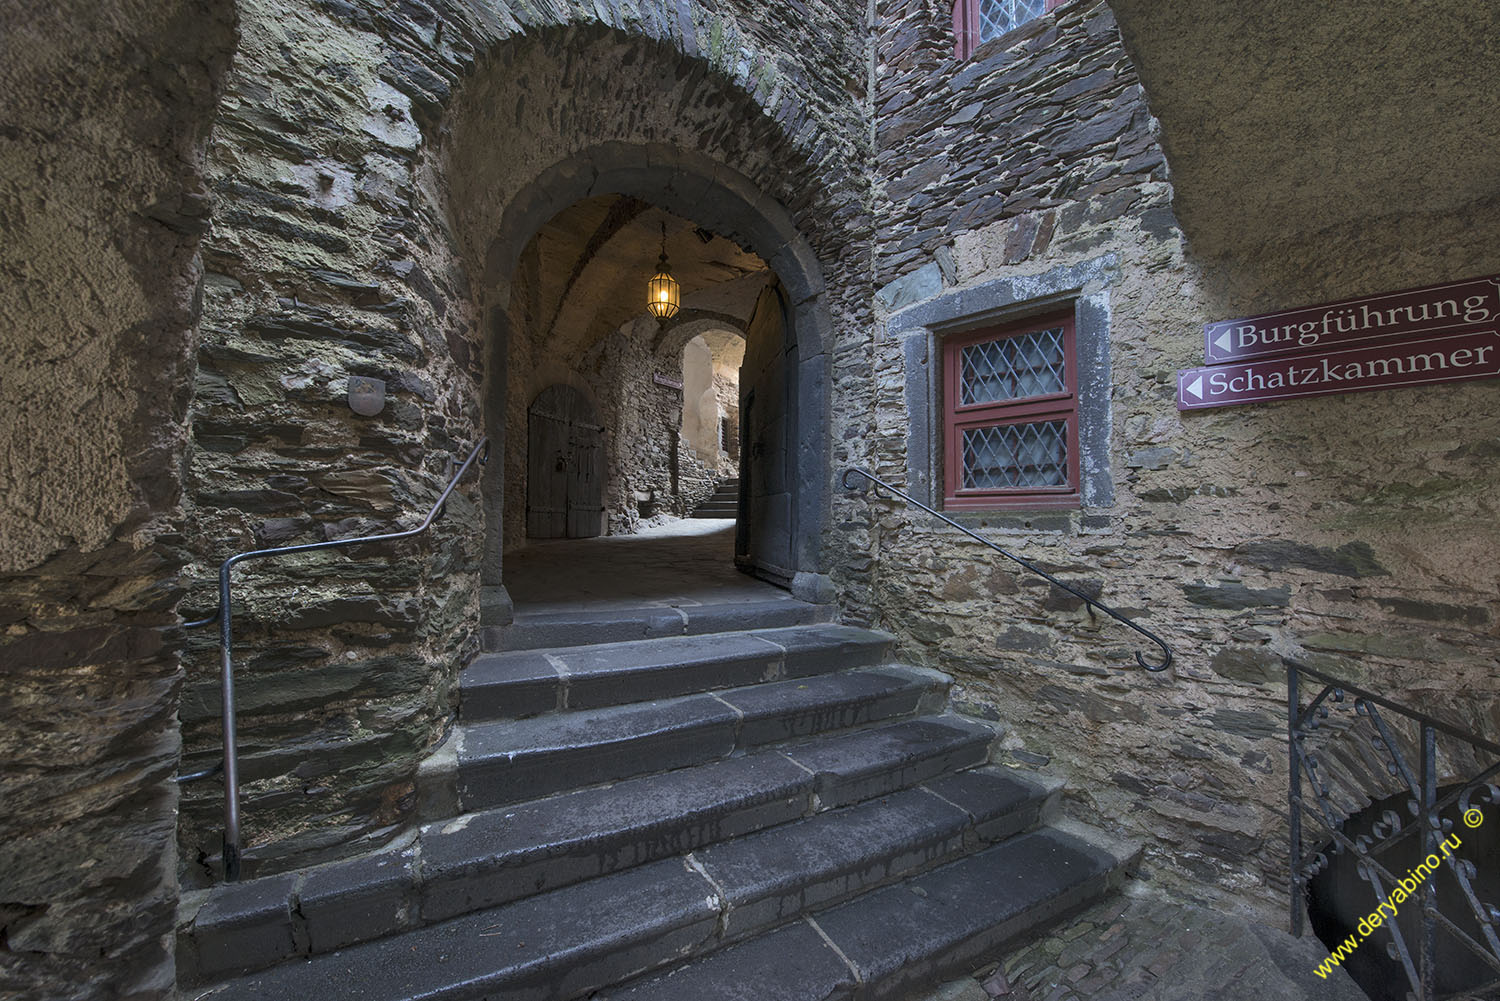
x,y
722,503
773,813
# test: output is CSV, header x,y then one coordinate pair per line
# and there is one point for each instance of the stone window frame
x,y
958,417
922,329
966,25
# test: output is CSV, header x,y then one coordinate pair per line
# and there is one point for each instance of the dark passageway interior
x,y
686,562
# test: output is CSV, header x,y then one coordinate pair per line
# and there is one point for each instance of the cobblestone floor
x,y
1145,947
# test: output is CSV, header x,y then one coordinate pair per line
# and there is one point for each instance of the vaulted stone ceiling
x,y
595,257
1281,118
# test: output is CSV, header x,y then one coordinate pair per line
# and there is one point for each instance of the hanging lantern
x,y
663,293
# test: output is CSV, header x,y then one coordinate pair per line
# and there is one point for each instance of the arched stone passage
x,y
397,184
721,199
711,361
675,336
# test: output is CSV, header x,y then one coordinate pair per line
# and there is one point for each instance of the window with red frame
x,y
1010,427
976,21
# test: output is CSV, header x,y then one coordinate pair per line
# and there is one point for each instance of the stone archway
x,y
719,198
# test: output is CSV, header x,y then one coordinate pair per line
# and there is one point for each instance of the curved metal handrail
x,y
882,485
230,764
1412,762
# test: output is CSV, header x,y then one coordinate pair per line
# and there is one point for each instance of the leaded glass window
x,y
1030,364
1011,416
976,21
1016,455
996,17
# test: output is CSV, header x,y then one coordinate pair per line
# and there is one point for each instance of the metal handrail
x,y
1092,603
230,764
1420,963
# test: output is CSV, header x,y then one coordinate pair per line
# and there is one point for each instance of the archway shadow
x,y
685,563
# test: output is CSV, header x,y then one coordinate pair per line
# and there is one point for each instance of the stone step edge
x,y
666,734
538,630
383,893
835,972
560,678
630,942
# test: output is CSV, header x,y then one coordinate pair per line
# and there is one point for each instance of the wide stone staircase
x,y
671,805
722,503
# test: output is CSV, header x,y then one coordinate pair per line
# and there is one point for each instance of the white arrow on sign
x,y
1195,387
1222,342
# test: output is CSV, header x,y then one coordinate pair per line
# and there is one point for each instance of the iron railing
x,y
1354,752
229,766
880,484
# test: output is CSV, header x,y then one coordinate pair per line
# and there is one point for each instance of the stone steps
x,y
604,810
884,943
484,859
910,923
524,683
722,503
712,509
534,630
507,761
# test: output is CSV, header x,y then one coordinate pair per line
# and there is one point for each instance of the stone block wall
x,y
1352,531
644,424
325,264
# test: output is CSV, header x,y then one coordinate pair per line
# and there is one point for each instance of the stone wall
x,y
366,163
729,354
1354,531
644,421
321,268
374,172
107,105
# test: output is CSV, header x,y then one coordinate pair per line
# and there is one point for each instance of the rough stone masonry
x,y
216,214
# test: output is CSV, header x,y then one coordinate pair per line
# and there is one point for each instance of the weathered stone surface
x,y
1025,640
1394,646
102,201
1436,611
1255,665
1351,526
1150,947
1235,594
1353,559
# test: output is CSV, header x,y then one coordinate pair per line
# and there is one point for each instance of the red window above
x,y
976,21
1010,416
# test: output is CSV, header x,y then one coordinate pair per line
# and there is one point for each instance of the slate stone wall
x,y
1353,531
321,266
106,109
365,159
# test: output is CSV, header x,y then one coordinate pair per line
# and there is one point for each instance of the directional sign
x,y
1453,357
1459,306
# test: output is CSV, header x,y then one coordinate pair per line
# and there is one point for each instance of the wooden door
x,y
763,539
564,466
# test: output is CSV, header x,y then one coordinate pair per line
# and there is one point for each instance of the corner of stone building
x,y
100,337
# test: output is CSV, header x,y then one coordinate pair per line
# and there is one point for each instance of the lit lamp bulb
x,y
663,293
